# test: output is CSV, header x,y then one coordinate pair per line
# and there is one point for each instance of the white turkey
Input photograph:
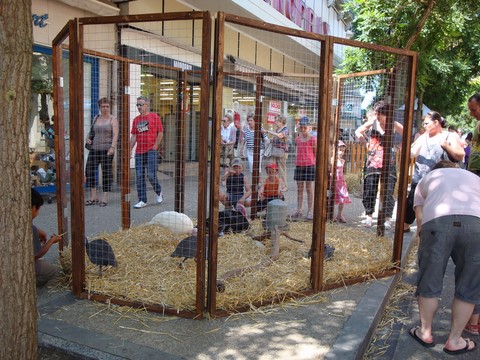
x,y
176,222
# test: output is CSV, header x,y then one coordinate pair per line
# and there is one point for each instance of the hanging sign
x,y
274,109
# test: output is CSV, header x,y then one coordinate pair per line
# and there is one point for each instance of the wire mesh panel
x,y
369,121
265,84
274,91
139,158
192,196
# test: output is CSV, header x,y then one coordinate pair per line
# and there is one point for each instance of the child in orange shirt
x,y
271,188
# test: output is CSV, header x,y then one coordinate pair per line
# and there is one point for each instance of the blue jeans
x,y
147,161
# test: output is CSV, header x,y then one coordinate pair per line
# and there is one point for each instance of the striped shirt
x,y
248,137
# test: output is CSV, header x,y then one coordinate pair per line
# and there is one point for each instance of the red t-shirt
x,y
146,129
236,120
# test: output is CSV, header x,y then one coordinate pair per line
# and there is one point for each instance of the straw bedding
x,y
147,273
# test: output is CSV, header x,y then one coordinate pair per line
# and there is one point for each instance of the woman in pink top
x,y
305,167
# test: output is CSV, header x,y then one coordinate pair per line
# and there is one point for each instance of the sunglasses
x,y
140,105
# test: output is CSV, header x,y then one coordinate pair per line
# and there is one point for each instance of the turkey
x,y
176,222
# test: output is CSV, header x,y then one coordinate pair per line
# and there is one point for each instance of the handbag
x,y
447,156
268,150
91,135
277,152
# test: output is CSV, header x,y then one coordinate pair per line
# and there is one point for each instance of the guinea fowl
x,y
187,248
100,253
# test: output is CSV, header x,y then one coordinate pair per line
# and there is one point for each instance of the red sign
x,y
271,118
275,107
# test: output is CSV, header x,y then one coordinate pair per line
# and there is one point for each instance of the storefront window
x,y
40,123
41,131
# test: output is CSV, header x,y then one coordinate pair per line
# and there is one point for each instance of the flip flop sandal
x,y
464,350
103,204
91,202
413,333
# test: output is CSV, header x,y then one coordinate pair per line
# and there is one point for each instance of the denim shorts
x,y
458,237
234,198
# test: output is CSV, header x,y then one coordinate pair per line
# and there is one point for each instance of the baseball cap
x,y
271,166
236,162
341,143
304,121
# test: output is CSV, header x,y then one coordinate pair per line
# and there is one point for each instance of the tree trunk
x,y
18,314
421,23
419,113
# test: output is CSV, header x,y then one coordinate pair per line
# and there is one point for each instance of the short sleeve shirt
x,y
146,129
448,191
283,142
474,158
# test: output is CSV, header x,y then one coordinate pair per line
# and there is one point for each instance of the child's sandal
x,y
471,329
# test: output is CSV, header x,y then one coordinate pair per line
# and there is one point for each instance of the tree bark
x,y
18,314
419,112
420,25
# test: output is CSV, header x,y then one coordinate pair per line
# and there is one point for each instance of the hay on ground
x,y
147,273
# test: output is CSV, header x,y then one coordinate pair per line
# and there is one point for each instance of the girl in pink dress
x,y
341,191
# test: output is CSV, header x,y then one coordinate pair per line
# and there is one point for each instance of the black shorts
x,y
304,173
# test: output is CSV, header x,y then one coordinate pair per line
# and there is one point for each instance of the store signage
x,y
182,65
274,109
40,20
301,14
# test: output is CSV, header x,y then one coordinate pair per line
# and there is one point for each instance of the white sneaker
x,y
159,198
140,205
388,225
367,222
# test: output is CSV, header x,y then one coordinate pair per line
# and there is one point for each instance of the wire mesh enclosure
x,y
196,179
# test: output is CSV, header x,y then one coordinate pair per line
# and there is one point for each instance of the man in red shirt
x,y
147,133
